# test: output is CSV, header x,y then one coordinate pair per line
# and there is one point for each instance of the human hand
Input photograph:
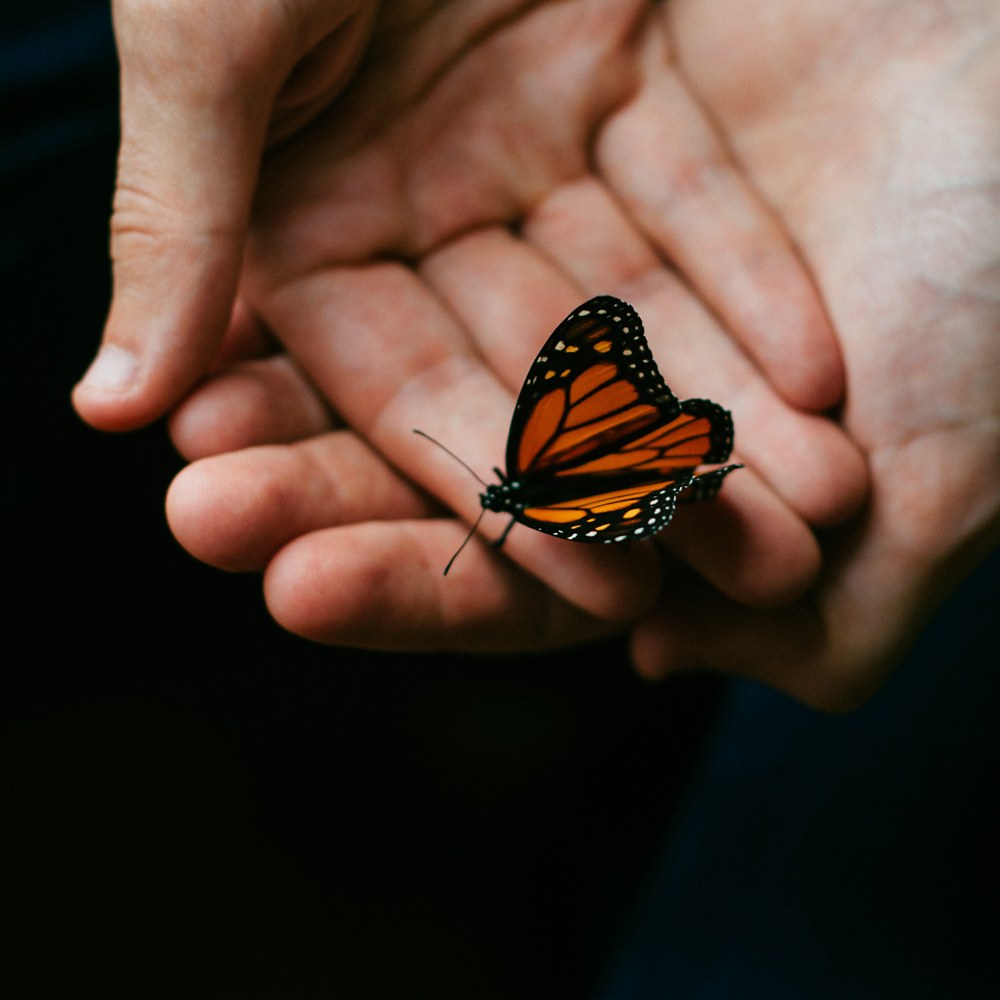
x,y
204,88
381,257
873,129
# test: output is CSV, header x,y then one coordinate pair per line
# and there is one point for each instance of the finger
x,y
187,166
379,585
196,97
810,463
746,543
510,298
236,510
506,295
268,401
390,359
675,177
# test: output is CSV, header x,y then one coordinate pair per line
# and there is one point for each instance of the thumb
x,y
198,83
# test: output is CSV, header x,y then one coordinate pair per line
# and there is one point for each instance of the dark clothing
x,y
841,857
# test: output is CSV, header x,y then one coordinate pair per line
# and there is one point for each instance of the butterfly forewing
x,y
593,386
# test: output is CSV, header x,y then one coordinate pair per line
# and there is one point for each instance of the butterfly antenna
x,y
470,534
460,462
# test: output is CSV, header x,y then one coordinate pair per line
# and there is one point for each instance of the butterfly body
x,y
599,447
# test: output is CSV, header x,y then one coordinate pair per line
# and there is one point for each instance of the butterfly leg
x,y
503,538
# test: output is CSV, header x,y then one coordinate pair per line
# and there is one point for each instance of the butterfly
x,y
599,448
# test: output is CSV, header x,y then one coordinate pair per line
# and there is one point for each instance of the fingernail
x,y
115,369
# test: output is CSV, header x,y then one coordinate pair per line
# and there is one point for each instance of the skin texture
x,y
874,133
489,167
204,88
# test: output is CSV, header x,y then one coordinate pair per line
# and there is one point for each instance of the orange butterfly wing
x,y
599,447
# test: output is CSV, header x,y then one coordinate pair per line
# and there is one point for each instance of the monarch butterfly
x,y
599,447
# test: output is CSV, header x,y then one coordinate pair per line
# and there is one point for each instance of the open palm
x,y
485,172
874,130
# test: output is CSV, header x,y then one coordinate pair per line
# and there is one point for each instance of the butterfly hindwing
x,y
706,485
627,514
720,422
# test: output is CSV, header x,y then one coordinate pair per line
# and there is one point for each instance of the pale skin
x,y
381,257
873,128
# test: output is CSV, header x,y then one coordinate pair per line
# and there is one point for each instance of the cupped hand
x,y
489,168
873,129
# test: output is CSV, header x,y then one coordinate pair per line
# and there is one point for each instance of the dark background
x,y
197,803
